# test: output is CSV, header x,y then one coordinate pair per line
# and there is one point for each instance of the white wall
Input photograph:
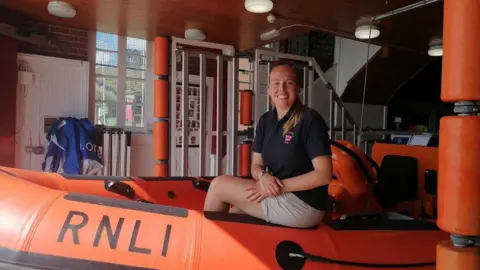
x,y
352,55
55,87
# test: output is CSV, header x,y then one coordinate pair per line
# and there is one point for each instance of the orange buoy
x,y
461,56
246,101
459,175
161,53
450,257
245,149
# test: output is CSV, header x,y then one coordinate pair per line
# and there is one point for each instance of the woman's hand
x,y
253,194
270,186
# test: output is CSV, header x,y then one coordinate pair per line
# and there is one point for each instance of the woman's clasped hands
x,y
267,186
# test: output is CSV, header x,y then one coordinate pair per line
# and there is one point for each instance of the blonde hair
x,y
293,119
297,106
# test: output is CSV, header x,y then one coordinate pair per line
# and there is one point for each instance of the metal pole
x,y
256,86
355,134
219,140
310,84
202,95
403,9
184,113
233,155
305,89
344,122
268,83
332,112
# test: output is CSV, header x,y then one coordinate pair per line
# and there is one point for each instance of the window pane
x,y
135,61
107,58
105,89
135,74
107,41
136,46
134,91
104,70
134,115
105,114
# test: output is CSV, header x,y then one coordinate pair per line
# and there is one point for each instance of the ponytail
x,y
293,119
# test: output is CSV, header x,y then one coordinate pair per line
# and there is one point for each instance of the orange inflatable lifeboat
x,y
351,189
45,227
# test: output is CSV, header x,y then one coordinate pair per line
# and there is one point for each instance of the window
x,y
120,81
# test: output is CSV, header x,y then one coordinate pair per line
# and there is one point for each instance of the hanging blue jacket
x,y
72,148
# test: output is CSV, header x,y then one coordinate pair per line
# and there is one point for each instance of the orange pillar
x,y
246,101
245,151
459,144
160,107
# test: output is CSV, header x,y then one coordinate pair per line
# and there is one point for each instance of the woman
x,y
291,163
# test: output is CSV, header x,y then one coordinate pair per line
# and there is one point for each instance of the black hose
x,y
360,264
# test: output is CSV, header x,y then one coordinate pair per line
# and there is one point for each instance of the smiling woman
x,y
291,163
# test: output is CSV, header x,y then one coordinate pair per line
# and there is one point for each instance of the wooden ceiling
x,y
227,21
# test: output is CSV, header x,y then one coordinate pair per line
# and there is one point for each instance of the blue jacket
x,y
72,148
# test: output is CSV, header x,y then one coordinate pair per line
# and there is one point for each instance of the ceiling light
x,y
436,50
364,32
61,9
258,6
195,34
435,47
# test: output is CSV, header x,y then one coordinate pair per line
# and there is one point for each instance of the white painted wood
x,y
59,88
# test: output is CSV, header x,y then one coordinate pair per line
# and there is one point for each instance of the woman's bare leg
x,y
236,210
228,190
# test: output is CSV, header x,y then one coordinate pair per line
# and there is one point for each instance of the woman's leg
x,y
228,190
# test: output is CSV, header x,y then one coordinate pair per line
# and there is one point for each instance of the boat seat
x,y
243,218
397,181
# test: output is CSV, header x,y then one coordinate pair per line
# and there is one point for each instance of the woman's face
x,y
283,87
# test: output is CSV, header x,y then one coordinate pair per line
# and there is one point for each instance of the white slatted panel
x,y
59,89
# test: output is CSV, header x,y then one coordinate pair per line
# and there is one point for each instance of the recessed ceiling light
x,y
364,32
435,50
195,34
61,9
258,6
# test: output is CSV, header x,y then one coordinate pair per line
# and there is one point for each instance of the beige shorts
x,y
288,210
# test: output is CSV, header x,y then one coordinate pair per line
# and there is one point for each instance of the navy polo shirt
x,y
291,155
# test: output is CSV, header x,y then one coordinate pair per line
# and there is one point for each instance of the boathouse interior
x,y
133,73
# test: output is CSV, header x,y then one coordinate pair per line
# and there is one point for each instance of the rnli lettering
x,y
105,229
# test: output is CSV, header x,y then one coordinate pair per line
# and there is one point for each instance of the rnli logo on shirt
x,y
288,137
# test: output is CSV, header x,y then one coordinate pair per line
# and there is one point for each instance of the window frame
x,y
122,79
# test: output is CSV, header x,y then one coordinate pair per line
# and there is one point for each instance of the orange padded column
x,y
461,53
246,99
160,107
245,150
459,175
450,257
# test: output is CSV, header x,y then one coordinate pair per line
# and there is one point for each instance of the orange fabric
x,y
40,220
461,56
453,258
459,177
